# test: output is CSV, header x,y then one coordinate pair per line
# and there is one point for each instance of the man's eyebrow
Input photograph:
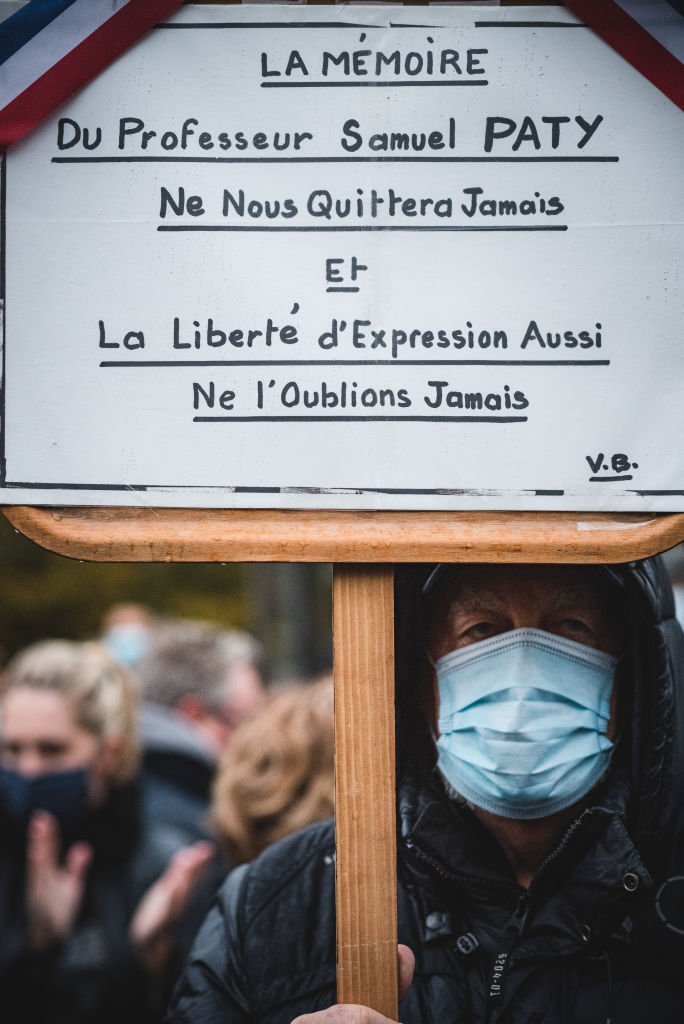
x,y
578,593
471,595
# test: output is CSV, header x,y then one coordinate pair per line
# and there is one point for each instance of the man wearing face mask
x,y
540,733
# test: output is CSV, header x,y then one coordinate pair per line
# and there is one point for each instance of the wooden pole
x,y
366,886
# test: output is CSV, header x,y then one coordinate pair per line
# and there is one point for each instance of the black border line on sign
x,y
365,28
293,489
161,159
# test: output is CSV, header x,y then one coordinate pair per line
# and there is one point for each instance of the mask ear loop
x,y
621,660
425,590
434,681
615,751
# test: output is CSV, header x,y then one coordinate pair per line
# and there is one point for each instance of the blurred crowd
x,y
136,771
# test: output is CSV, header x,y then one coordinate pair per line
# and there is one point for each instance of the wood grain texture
x,y
366,888
263,535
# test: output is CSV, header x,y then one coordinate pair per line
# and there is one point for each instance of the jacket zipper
x,y
518,921
516,925
556,852
455,876
499,970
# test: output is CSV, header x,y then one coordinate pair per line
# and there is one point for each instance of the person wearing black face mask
x,y
87,894
63,794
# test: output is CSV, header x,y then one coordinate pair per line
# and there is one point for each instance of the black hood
x,y
648,766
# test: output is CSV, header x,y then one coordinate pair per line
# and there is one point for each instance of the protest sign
x,y
349,258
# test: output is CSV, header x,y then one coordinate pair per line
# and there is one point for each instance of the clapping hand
x,y
164,902
54,890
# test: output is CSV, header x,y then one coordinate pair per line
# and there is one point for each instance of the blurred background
x,y
288,607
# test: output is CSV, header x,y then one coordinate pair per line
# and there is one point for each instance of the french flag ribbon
x,y
647,33
51,48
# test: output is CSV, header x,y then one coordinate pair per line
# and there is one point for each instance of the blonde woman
x,y
277,774
88,893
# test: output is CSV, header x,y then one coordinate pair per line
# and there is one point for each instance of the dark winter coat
x,y
177,772
93,977
598,937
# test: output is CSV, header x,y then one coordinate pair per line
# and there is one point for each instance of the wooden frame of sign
x,y
362,547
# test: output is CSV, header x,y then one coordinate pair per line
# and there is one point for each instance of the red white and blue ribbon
x,y
647,33
51,48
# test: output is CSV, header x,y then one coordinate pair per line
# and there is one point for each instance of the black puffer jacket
x,y
598,937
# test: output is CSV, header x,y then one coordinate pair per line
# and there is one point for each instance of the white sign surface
x,y
358,257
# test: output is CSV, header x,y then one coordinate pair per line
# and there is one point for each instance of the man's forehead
x,y
499,584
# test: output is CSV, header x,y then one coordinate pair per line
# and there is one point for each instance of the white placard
x,y
350,257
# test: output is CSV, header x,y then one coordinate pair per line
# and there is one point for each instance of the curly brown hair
x,y
277,774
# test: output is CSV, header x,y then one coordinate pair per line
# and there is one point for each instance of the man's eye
x,y
576,626
481,631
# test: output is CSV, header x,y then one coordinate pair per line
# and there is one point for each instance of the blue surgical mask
x,y
127,643
64,794
523,719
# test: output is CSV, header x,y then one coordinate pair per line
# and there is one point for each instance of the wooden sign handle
x,y
151,534
365,814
